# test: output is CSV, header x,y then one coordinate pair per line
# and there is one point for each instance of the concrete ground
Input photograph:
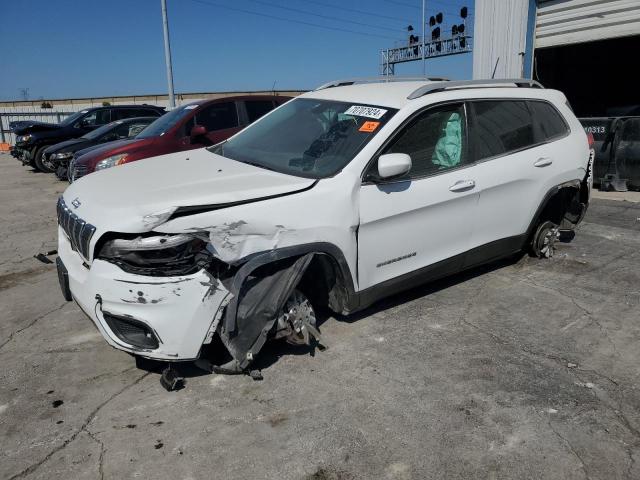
x,y
512,371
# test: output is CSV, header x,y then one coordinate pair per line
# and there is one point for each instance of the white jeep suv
x,y
344,195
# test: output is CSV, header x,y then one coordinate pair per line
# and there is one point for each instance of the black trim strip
x,y
196,209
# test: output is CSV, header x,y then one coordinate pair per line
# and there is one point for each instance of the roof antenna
x,y
494,69
273,87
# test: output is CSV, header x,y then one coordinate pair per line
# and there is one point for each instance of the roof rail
x,y
382,79
462,84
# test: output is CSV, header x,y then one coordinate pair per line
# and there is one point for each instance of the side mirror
x,y
198,131
393,165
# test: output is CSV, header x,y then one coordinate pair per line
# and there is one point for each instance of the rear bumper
x,y
182,313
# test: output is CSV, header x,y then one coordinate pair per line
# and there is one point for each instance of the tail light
x,y
591,140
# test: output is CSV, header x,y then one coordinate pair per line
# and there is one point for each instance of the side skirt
x,y
489,252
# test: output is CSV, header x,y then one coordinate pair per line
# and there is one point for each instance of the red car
x,y
195,125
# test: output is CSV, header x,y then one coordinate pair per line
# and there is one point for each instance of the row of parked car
x,y
103,137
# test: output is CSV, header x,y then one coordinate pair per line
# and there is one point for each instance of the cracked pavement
x,y
521,369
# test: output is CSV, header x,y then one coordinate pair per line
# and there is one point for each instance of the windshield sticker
x,y
362,111
190,107
369,127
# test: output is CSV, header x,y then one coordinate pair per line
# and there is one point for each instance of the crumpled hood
x,y
69,145
133,197
22,127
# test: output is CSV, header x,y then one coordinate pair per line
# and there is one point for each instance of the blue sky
x,y
66,48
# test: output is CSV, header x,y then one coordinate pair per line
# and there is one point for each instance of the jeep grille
x,y
78,231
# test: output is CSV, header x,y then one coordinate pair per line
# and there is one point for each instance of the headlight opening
x,y
157,255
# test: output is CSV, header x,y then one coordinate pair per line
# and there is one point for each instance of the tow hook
x,y
43,256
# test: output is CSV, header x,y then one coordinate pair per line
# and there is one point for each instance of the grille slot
x,y
78,231
131,331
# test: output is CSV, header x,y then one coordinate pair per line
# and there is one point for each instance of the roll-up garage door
x,y
563,22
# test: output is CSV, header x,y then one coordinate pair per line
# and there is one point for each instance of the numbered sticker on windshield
x,y
362,111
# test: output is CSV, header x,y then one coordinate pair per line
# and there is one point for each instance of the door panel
x,y
510,189
426,216
409,225
514,167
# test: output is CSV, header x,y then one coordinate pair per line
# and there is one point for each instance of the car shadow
x,y
274,350
429,288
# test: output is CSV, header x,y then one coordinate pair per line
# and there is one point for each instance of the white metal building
x,y
586,48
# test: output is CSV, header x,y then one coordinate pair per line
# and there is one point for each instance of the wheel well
x,y
563,207
324,285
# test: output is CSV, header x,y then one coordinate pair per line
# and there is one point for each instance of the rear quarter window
x,y
550,124
258,108
501,127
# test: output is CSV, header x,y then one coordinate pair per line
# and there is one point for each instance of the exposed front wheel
x,y
297,320
544,240
42,163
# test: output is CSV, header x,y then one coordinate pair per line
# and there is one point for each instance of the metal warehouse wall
x,y
563,22
500,31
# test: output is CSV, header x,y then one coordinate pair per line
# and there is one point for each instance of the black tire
x,y
544,238
43,167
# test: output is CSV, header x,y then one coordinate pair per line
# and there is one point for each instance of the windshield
x,y
166,122
98,132
72,118
307,137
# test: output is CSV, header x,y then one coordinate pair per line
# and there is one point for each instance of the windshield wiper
x,y
217,148
255,164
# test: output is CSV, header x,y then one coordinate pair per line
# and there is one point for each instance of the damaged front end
x,y
165,296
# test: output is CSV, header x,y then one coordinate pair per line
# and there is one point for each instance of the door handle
x,y
462,185
543,162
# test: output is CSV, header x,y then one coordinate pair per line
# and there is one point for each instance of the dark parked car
x,y
195,125
599,127
56,157
617,148
33,138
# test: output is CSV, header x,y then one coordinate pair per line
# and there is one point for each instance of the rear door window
x,y
97,118
258,108
144,112
218,116
121,113
548,120
501,127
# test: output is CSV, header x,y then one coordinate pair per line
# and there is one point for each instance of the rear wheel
x,y
42,163
544,240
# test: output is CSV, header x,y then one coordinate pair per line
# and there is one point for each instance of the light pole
x,y
424,69
167,53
